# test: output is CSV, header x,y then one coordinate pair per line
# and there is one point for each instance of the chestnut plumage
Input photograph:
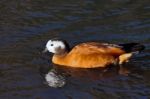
x,y
91,54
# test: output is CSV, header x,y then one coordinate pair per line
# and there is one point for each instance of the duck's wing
x,y
98,48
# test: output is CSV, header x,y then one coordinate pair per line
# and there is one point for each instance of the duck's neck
x,y
61,54
60,58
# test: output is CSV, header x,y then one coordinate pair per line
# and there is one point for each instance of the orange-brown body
x,y
92,55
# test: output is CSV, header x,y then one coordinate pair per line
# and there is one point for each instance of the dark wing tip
x,y
132,47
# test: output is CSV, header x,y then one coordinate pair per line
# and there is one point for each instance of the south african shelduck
x,y
91,54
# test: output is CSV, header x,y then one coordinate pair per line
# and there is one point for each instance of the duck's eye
x,y
52,44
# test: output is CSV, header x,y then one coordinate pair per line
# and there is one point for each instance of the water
x,y
26,25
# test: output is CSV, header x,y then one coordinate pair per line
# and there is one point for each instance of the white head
x,y
56,46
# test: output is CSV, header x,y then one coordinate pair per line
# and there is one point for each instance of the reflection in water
x,y
53,79
56,76
97,73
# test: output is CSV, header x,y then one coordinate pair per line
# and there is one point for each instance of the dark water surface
x,y
26,25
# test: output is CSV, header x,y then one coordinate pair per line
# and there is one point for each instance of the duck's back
x,y
97,48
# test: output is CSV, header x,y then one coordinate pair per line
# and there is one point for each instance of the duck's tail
x,y
132,47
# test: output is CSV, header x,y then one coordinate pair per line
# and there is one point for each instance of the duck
x,y
91,54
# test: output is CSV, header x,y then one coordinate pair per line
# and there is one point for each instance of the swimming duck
x,y
91,54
